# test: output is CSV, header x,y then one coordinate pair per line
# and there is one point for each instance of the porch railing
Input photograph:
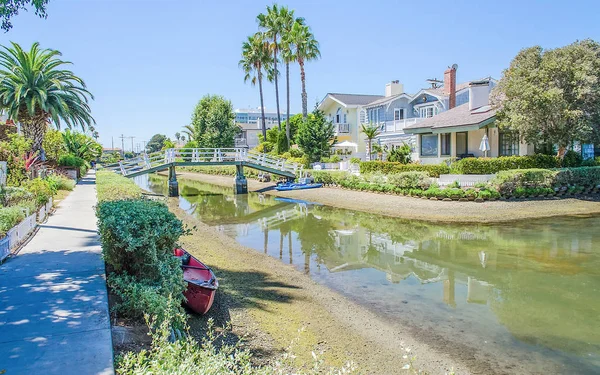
x,y
398,125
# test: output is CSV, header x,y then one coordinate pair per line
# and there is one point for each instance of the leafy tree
x,y
168,144
81,145
35,91
10,8
315,136
156,143
178,136
14,152
304,47
371,132
400,154
213,122
552,96
256,60
54,144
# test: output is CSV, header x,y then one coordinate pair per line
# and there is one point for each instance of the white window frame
x,y
338,116
400,112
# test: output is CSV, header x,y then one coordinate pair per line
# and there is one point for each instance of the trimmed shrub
x,y
572,159
508,182
584,176
394,167
9,217
41,189
58,182
410,180
495,165
111,186
71,160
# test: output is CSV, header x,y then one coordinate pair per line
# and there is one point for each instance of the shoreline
x,y
421,209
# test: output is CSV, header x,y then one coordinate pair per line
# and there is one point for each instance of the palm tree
x,y
288,56
256,58
272,25
191,132
371,132
35,91
305,48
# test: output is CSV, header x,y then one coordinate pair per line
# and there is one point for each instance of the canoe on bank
x,y
201,282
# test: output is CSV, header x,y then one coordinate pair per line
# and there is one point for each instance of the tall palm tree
x,y
36,91
272,24
288,56
256,58
305,48
191,132
371,132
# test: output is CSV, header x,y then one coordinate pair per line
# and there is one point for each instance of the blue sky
x,y
148,62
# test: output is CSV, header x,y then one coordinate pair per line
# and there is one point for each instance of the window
x,y
345,119
429,145
426,112
398,114
362,116
445,144
508,143
338,116
462,143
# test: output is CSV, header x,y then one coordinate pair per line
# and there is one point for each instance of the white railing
x,y
16,235
240,142
398,125
205,155
342,128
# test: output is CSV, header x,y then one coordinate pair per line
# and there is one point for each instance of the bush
x,y
331,159
41,189
71,160
111,186
12,196
572,159
138,238
265,147
588,177
9,217
410,180
401,154
59,182
355,160
495,165
394,167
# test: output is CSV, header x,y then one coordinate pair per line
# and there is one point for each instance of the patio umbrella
x,y
485,145
346,144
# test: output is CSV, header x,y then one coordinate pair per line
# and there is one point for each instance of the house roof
x,y
354,99
459,116
387,99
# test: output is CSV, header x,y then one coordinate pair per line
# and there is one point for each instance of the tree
x,y
315,136
35,91
371,132
168,144
552,96
10,8
156,143
256,59
54,144
272,24
288,56
177,136
81,145
213,124
305,48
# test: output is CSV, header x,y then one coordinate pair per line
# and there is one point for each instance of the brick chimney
x,y
450,85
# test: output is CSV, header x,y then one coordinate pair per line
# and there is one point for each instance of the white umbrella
x,y
485,145
346,144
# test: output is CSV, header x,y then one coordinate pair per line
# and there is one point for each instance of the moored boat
x,y
296,186
201,282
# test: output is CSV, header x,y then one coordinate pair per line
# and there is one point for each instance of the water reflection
x,y
532,287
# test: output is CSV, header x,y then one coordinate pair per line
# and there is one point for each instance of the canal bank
x,y
504,298
422,209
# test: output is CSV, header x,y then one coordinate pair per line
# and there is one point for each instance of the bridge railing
x,y
206,155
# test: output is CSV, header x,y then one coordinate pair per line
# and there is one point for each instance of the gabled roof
x,y
352,99
388,99
459,116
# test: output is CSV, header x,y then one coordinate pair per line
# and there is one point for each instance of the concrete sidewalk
x,y
53,301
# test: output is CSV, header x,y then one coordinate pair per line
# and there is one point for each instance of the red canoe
x,y
201,282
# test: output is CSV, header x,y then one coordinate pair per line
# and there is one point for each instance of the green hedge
x,y
495,165
138,238
111,186
393,167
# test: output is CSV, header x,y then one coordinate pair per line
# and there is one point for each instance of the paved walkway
x,y
53,300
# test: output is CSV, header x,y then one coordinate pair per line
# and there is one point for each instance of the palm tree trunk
x,y
303,79
276,81
35,130
370,149
288,126
262,106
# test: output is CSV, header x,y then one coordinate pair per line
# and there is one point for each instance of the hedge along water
x,y
462,283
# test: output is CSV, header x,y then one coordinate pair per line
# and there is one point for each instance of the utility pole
x,y
112,142
123,145
132,150
144,142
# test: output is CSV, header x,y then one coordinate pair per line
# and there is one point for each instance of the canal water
x,y
523,292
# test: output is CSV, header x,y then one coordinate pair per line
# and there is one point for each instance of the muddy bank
x,y
423,209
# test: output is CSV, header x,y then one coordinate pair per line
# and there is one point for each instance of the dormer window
x,y
426,112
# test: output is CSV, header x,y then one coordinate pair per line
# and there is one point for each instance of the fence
x,y
465,180
15,236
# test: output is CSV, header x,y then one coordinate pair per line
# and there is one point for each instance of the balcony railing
x,y
240,142
342,128
398,125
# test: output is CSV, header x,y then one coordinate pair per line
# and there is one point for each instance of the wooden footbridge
x,y
239,157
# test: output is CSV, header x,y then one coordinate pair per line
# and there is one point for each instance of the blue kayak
x,y
294,186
